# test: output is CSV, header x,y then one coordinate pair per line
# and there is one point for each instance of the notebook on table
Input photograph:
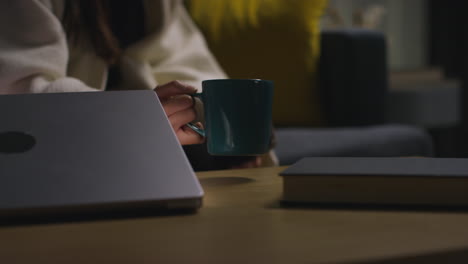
x,y
377,181
90,153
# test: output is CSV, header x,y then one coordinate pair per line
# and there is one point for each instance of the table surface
x,y
241,221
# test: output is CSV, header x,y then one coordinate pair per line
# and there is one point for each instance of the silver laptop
x,y
90,153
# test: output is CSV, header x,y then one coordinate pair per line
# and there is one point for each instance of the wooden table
x,y
241,222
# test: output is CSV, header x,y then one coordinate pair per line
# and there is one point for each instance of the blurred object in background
x,y
403,22
368,17
419,94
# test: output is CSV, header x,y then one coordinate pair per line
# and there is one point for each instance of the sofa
x,y
330,85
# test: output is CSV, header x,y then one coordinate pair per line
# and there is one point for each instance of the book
x,y
377,181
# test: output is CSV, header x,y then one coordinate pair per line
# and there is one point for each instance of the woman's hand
x,y
178,105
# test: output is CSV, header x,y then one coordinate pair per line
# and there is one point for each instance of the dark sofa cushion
x,y
373,141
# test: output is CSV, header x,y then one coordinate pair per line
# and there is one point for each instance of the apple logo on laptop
x,y
15,142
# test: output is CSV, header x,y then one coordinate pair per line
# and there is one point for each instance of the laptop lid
x,y
90,152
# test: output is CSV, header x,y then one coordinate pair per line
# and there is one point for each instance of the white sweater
x,y
35,56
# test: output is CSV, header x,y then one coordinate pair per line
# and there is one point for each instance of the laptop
x,y
91,153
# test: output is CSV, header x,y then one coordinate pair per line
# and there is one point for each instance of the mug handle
x,y
191,125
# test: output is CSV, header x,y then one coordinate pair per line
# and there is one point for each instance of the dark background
x,y
448,49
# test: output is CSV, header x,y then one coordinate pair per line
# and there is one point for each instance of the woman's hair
x,y
92,18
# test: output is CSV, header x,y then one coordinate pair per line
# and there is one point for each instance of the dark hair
x,y
95,24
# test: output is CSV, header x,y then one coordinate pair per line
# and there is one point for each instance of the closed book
x,y
374,181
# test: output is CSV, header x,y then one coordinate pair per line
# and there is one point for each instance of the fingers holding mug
x,y
186,135
173,88
178,105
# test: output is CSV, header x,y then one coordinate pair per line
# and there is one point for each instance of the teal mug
x,y
237,115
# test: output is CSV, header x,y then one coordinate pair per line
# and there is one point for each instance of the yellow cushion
x,y
269,39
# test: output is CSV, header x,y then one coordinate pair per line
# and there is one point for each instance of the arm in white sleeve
x,y
179,51
33,50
